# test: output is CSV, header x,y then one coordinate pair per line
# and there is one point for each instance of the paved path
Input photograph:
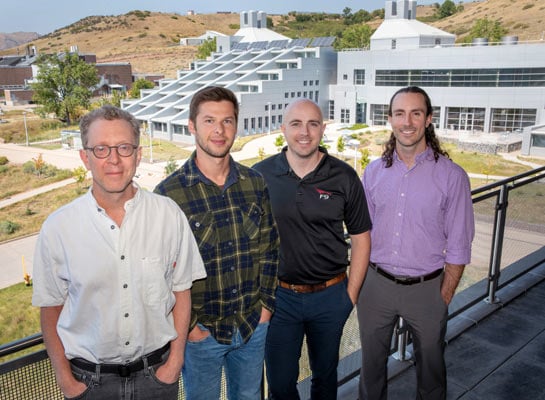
x,y
12,253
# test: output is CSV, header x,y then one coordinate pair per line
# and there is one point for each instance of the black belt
x,y
406,280
123,370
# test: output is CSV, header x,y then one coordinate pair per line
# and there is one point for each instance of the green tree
x,y
447,9
171,166
365,159
485,28
261,153
355,37
138,85
80,175
340,145
64,83
279,142
205,49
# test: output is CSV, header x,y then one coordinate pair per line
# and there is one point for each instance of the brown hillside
x,y
522,18
149,40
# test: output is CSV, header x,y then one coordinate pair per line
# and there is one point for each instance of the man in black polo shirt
x,y
313,197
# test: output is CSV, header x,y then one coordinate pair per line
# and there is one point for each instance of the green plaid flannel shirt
x,y
239,244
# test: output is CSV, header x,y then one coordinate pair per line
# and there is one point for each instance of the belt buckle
x,y
124,371
294,288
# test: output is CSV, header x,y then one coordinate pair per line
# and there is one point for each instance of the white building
x,y
480,88
489,89
265,74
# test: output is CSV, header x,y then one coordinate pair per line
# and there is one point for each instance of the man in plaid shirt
x,y
229,211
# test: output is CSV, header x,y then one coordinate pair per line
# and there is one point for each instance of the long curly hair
x,y
431,138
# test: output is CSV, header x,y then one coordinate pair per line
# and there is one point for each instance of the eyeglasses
x,y
123,150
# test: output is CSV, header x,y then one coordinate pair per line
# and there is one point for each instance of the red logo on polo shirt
x,y
324,195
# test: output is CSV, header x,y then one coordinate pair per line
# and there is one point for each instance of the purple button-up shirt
x,y
422,217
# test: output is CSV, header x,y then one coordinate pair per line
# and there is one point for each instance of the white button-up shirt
x,y
116,283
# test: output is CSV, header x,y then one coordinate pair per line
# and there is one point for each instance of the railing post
x,y
402,335
497,244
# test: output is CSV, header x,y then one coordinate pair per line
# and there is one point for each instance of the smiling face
x,y
215,128
303,128
409,120
112,176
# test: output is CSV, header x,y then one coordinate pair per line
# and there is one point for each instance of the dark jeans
x,y
141,385
321,317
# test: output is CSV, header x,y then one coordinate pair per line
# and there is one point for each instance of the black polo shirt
x,y
311,214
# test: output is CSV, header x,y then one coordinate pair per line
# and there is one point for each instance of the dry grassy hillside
x,y
522,18
149,40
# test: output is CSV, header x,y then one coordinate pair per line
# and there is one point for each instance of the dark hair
x,y
109,113
211,93
431,138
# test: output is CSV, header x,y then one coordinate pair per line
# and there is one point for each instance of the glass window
x,y
379,114
359,77
512,119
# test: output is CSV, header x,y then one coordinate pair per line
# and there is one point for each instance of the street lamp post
x,y
269,107
26,129
150,143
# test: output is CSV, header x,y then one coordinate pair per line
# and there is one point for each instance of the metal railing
x,y
506,237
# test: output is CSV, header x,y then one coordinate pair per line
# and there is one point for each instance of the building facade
x,y
481,88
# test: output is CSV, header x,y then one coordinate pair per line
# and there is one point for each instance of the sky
x,y
45,16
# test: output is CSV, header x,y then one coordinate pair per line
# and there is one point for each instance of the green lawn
x,y
18,318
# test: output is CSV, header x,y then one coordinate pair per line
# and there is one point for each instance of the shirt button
x,y
125,286
233,291
399,214
122,257
127,343
402,194
197,224
230,243
232,268
112,227
126,315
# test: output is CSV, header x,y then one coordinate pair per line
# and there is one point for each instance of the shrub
x,y
3,160
8,227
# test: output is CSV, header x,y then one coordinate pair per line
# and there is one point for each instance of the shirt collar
x,y
426,155
282,167
194,175
128,204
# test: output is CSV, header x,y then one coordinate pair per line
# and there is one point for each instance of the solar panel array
x,y
240,46
259,45
325,41
303,42
279,44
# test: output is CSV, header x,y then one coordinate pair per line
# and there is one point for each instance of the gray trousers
x,y
380,304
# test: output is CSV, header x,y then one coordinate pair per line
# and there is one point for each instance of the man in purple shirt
x,y
421,209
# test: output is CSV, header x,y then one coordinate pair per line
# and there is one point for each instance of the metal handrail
x,y
500,190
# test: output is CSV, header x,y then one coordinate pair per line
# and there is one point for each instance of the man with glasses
x,y
112,274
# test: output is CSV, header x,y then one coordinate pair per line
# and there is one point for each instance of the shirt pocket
x,y
156,275
202,226
251,220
